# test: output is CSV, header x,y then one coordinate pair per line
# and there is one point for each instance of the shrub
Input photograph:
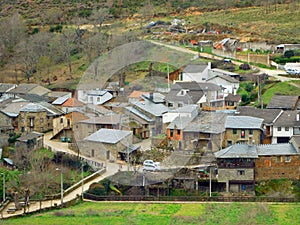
x,y
288,54
244,66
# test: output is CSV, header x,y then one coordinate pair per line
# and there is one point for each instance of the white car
x,y
292,71
150,165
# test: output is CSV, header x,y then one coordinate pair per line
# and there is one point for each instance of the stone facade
x,y
233,136
35,121
277,167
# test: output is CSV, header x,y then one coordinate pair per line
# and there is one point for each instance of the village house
x,y
37,117
277,161
230,84
4,91
63,125
30,142
205,95
203,132
236,167
216,71
232,101
151,111
185,111
285,126
31,89
240,166
268,115
89,126
136,96
108,144
72,104
195,72
95,97
243,129
6,128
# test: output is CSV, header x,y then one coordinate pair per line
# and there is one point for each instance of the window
x,y
250,132
171,133
22,129
242,133
286,128
61,120
241,172
268,162
170,104
278,158
93,153
234,131
287,158
146,126
98,99
178,132
229,143
180,104
278,128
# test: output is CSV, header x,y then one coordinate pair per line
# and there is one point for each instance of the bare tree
x,y
98,17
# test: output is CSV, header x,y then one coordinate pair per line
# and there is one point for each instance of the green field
x,y
152,213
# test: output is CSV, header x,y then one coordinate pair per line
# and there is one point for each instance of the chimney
x,y
151,96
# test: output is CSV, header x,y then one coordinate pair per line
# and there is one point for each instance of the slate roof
x,y
30,136
32,107
152,108
60,100
5,87
224,77
180,123
99,109
109,136
288,119
287,102
207,122
269,115
194,94
243,122
112,119
185,109
33,97
40,107
195,68
237,151
30,89
13,109
276,149
156,97
233,98
139,114
224,72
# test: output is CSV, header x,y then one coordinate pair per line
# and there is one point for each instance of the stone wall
x,y
41,122
236,138
225,175
276,167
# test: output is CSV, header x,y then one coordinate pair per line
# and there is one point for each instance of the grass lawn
x,y
284,88
151,213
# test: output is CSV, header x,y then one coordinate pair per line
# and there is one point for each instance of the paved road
x,y
274,73
111,168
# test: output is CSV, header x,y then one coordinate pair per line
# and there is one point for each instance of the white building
x,y
95,97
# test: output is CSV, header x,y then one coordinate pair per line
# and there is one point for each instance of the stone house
x,y
89,126
284,102
107,144
277,161
37,117
236,167
30,142
243,129
268,115
151,112
6,128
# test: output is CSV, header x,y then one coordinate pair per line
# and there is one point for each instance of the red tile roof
x,y
72,102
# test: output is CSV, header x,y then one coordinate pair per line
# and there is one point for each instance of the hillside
x,y
255,21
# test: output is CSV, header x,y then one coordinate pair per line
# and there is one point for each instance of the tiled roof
x,y
269,115
287,102
137,94
185,109
243,122
237,151
109,136
72,102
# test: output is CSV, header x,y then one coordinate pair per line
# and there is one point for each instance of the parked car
x,y
292,71
150,165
